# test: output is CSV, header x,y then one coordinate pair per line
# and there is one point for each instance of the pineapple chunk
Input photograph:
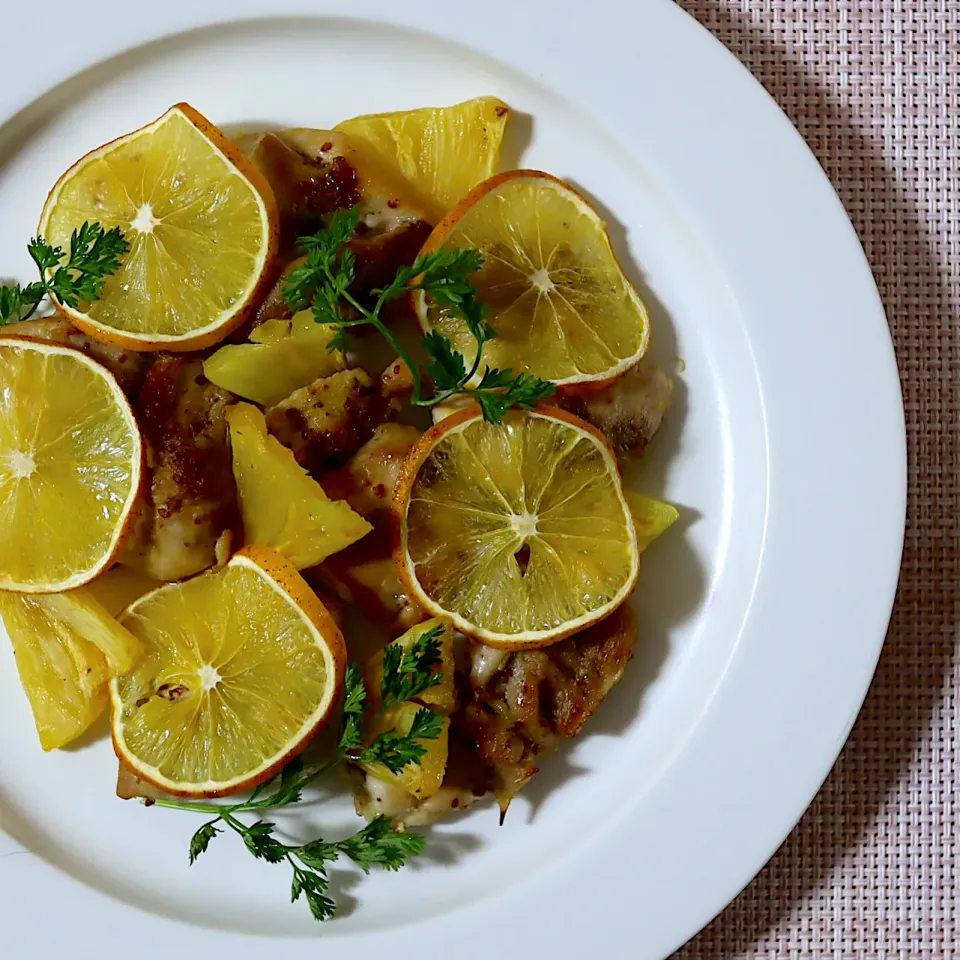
x,y
282,506
650,517
442,697
422,779
80,612
60,642
119,587
277,362
271,331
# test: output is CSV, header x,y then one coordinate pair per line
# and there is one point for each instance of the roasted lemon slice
x,y
70,462
518,532
201,222
444,152
241,669
559,301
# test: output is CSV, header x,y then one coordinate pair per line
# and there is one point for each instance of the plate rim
x,y
749,106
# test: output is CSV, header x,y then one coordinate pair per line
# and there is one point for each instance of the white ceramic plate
x,y
762,616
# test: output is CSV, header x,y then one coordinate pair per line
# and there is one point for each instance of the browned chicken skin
x,y
127,366
518,708
368,481
630,410
190,514
327,421
534,699
315,173
365,577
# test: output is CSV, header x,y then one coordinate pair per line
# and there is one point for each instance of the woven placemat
x,y
872,870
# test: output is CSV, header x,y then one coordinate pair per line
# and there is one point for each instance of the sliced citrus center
x,y
560,303
242,668
70,459
444,152
201,223
518,532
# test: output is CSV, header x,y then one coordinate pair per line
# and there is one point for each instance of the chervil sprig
x,y
322,283
94,254
406,674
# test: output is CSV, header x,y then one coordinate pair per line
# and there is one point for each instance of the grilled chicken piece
x,y
314,173
365,577
328,421
190,515
630,410
525,704
518,708
396,381
369,480
127,366
467,780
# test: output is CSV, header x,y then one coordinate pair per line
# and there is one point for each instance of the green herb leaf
x,y
314,887
396,751
354,703
409,673
427,725
378,844
201,839
448,369
262,844
322,282
94,255
320,272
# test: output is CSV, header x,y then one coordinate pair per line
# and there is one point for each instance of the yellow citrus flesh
x,y
559,301
283,506
518,532
444,152
242,667
63,673
201,223
70,461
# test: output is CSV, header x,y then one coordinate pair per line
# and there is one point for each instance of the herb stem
x,y
225,810
373,317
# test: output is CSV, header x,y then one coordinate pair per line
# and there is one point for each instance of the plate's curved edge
x,y
181,16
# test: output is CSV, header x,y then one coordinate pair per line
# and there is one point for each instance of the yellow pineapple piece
x,y
442,697
421,779
444,152
282,506
287,355
652,518
119,587
62,643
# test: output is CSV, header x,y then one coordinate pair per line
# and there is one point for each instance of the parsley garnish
x,y
323,281
94,254
406,674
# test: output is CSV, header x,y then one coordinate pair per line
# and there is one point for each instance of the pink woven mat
x,y
872,870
